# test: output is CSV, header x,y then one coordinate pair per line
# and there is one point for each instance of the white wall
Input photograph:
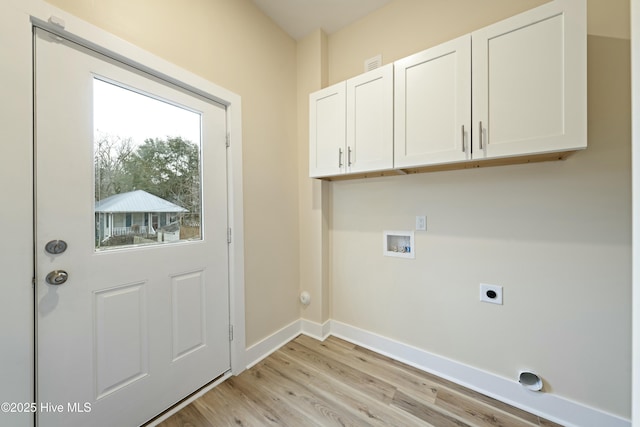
x,y
16,255
635,81
314,228
557,236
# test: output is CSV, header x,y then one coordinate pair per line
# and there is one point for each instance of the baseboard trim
x,y
316,330
264,348
551,407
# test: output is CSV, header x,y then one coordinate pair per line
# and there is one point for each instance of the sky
x,y
125,113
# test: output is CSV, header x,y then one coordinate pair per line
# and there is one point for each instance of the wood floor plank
x,y
416,386
270,406
189,416
426,412
374,387
348,395
345,344
278,398
281,408
314,406
476,412
337,383
227,409
441,382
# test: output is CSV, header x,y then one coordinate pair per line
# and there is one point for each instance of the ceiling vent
x,y
373,63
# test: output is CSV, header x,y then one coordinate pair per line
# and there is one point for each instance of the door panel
x,y
370,121
121,337
529,82
527,65
188,313
327,131
433,105
134,329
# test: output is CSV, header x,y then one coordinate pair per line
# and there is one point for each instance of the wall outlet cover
x,y
491,293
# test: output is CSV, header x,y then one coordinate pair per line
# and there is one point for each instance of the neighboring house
x,y
136,212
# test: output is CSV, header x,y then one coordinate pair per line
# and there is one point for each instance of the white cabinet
x,y
351,125
370,121
327,131
433,105
529,82
515,88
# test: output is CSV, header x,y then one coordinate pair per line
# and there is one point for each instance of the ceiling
x,y
300,17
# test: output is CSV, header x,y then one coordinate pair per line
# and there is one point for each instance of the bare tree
x,y
111,156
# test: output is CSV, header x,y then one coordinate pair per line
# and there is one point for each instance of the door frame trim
x,y
107,44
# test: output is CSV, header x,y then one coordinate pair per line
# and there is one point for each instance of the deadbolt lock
x,y
56,247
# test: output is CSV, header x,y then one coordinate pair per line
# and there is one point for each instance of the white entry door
x,y
140,236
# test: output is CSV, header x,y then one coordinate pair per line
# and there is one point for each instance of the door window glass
x,y
147,164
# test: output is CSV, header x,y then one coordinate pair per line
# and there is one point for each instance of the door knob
x,y
57,277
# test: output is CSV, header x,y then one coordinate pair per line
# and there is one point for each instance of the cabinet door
x,y
433,105
327,131
529,82
370,121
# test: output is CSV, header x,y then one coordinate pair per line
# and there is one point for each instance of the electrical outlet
x,y
421,223
491,293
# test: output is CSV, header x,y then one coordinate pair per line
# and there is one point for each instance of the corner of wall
x,y
311,76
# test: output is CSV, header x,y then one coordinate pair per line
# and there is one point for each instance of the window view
x,y
147,169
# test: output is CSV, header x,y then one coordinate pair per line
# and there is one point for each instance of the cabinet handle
x,y
339,157
480,135
349,156
462,138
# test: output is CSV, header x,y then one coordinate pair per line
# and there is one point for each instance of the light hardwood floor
x,y
336,383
